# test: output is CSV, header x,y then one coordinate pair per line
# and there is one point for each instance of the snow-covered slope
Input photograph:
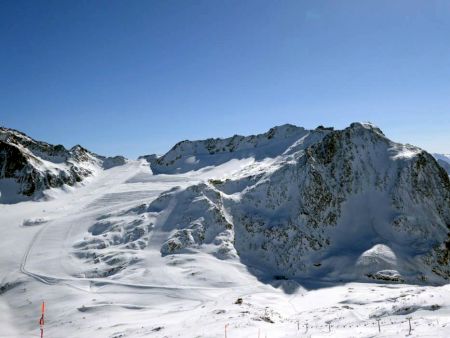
x,y
260,240
192,155
326,199
28,167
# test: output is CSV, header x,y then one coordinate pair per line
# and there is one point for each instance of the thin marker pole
x,y
410,328
41,320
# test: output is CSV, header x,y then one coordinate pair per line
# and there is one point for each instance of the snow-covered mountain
x,y
256,234
193,155
444,161
313,204
28,167
443,157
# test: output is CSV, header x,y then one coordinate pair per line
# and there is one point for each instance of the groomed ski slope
x,y
186,295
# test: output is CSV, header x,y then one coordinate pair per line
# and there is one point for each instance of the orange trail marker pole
x,y
226,330
41,320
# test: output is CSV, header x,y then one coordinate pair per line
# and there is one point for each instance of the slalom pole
x,y
41,320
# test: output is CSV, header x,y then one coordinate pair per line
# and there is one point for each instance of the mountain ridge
x,y
278,201
326,205
29,167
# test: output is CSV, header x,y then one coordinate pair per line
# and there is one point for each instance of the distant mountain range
x,y
443,160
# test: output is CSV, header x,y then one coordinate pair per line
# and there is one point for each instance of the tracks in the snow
x,y
97,197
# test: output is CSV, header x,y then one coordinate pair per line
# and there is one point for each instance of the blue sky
x,y
135,77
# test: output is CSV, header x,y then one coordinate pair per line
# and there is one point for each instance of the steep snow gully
x,y
324,233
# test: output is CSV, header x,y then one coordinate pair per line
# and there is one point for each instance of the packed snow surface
x,y
131,253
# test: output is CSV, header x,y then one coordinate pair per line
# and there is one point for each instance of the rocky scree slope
x,y
332,205
28,167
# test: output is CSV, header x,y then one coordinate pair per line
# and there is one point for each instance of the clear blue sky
x,y
134,77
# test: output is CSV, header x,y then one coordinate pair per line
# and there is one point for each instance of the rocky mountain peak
x,y
329,203
28,167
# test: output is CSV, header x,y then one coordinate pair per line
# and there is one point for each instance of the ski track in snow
x,y
162,300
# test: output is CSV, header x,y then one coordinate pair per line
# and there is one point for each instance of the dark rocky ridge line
x,y
28,167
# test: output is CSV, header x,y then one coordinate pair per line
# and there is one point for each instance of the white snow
x,y
120,254
405,151
188,295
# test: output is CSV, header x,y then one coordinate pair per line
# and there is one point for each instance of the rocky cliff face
x,y
28,167
332,205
